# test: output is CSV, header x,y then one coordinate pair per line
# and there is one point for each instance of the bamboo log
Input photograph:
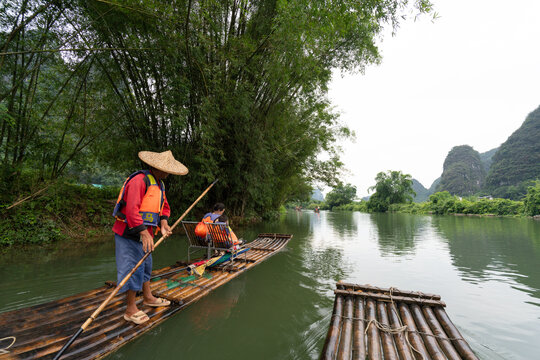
x,y
416,294
345,343
388,298
419,350
443,340
401,342
330,346
359,346
374,343
460,344
387,340
430,342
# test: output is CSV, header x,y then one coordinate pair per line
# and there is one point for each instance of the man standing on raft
x,y
142,210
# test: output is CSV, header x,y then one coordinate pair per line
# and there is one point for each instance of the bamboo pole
x,y
430,342
387,339
417,294
443,340
345,343
400,339
419,350
359,346
330,346
126,278
382,297
460,344
374,343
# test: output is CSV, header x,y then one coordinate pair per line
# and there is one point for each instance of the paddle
x,y
125,279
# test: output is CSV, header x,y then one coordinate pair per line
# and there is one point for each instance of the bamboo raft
x,y
40,331
373,323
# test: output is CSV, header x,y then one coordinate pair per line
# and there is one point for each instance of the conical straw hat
x,y
163,161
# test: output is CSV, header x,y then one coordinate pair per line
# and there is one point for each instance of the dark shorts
x,y
128,254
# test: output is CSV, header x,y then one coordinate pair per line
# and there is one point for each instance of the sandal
x,y
159,302
138,318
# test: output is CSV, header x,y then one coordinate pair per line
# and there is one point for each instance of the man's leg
x,y
147,293
131,306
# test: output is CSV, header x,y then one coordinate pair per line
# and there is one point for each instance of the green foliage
x,y
63,211
463,172
516,161
340,195
392,187
354,206
238,91
531,203
444,203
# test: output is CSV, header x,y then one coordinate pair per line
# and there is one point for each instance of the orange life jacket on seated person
x,y
152,203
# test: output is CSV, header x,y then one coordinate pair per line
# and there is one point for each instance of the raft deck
x,y
40,331
374,323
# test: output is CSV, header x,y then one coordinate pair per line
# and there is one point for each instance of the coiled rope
x,y
5,350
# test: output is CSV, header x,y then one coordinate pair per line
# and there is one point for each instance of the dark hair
x,y
219,207
223,218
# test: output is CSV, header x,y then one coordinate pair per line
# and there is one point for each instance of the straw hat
x,y
163,161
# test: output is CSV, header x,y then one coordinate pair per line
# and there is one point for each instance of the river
x,y
487,271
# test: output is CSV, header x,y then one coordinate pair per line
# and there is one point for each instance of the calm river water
x,y
487,270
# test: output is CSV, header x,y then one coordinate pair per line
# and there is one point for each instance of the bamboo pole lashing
x,y
415,341
396,292
438,331
401,341
388,347
359,346
390,298
345,343
373,340
431,343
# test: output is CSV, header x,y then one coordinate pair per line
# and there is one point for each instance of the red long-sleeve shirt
x,y
133,195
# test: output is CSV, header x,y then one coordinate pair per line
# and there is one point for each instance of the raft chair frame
x,y
217,238
196,242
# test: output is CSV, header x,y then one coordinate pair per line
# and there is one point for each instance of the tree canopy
x,y
392,187
236,89
340,195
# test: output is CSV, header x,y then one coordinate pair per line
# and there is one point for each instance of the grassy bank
x,y
63,211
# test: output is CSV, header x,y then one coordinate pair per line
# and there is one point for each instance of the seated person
x,y
223,219
217,211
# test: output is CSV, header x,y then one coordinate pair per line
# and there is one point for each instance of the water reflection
x,y
486,269
398,234
494,248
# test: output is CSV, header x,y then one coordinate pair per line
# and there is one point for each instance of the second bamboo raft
x,y
374,323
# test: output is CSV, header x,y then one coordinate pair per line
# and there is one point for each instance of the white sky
x,y
470,77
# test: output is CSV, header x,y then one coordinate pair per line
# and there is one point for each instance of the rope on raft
x,y
397,330
5,350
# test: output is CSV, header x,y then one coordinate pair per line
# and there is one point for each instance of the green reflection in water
x,y
480,246
398,234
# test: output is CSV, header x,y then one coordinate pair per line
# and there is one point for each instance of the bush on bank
x,y
64,210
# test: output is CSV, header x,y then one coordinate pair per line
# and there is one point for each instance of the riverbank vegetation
x,y
395,195
61,211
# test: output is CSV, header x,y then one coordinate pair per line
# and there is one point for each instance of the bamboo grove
x,y
237,89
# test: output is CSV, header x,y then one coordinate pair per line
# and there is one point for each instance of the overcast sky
x,y
469,77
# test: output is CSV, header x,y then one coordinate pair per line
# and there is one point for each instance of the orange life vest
x,y
152,203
